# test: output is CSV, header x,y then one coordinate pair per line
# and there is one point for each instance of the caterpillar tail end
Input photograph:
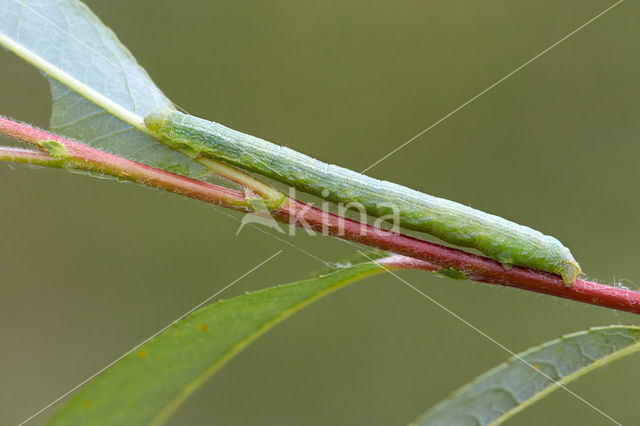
x,y
570,270
156,119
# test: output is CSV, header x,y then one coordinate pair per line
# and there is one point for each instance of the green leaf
x,y
148,384
100,93
515,385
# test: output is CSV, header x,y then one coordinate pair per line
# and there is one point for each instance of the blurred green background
x,y
92,267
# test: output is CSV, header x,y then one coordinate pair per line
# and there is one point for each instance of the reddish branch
x,y
431,256
86,158
476,267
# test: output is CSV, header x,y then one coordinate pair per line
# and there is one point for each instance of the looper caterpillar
x,y
498,238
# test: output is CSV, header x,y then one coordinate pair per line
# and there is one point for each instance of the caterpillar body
x,y
455,223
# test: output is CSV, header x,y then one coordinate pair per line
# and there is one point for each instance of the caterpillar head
x,y
156,119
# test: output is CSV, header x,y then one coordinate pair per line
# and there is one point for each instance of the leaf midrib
x,y
76,85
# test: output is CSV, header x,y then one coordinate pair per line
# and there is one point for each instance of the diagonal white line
x,y
491,339
282,240
493,85
146,340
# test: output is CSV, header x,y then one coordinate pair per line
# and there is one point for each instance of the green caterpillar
x,y
498,238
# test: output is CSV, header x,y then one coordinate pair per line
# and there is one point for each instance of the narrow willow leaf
x,y
515,385
100,93
147,385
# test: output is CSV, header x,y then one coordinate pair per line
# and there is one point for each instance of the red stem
x,y
91,159
476,267
431,256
